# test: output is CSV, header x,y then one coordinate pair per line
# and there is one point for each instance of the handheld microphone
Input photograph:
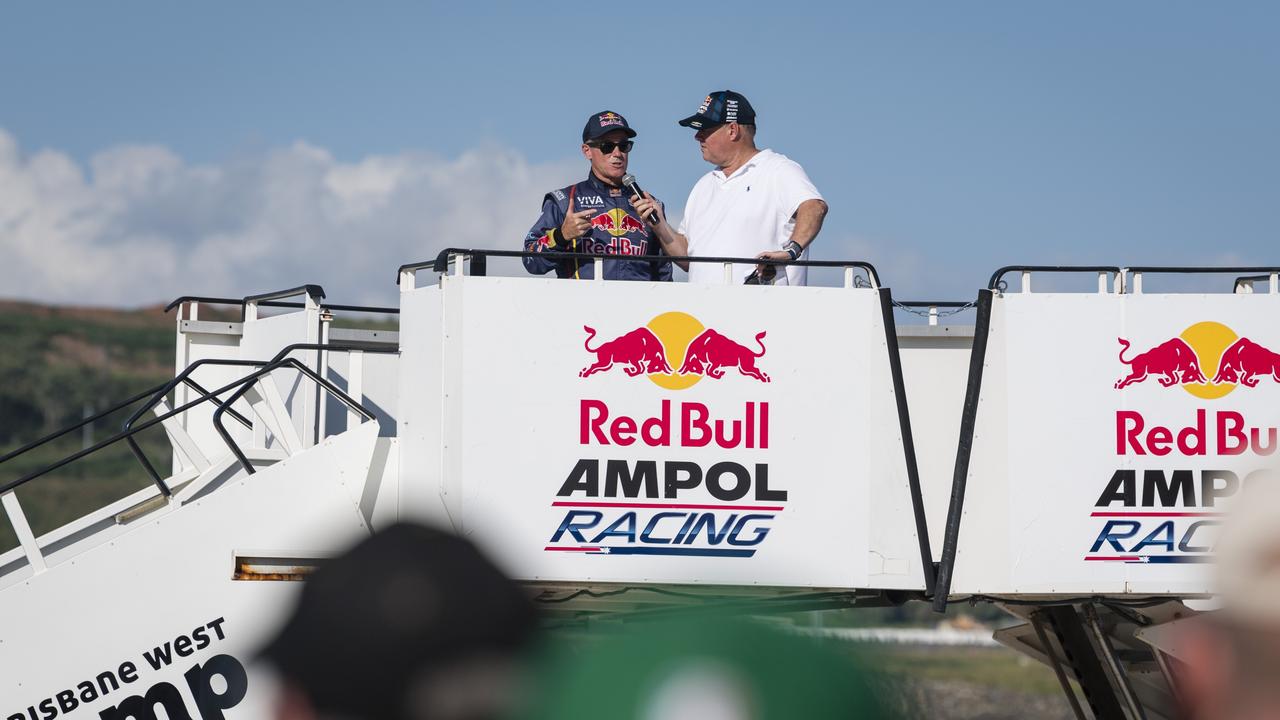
x,y
629,182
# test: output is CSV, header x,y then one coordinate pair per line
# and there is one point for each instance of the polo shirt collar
x,y
757,159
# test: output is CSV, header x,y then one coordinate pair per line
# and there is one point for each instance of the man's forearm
x,y
809,217
673,243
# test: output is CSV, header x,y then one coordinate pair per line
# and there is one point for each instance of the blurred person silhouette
x,y
1231,656
701,668
411,624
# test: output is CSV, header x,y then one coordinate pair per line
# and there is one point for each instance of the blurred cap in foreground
x,y
410,623
704,670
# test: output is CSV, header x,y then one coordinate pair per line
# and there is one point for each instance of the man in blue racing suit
x,y
595,216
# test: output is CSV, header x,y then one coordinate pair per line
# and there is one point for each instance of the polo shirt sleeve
x,y
794,187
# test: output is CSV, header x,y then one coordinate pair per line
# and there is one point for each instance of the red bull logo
x,y
638,351
697,350
604,221
630,224
1205,349
617,222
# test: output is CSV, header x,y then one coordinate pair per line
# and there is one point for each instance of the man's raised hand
x,y
576,224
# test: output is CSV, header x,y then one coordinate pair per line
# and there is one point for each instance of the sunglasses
x,y
608,147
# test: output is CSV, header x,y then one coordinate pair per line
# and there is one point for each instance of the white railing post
x,y
1026,281
1275,283
408,280
22,529
728,273
933,314
355,384
597,266
1137,283
1102,283
848,276
459,261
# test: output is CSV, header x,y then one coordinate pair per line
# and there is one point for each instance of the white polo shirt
x,y
745,214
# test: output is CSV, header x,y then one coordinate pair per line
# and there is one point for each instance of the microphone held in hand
x,y
629,182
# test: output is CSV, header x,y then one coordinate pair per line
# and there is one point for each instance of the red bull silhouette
x,y
1244,361
639,351
1173,359
630,224
711,352
603,221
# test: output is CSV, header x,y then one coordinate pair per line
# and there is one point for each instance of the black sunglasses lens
x,y
608,147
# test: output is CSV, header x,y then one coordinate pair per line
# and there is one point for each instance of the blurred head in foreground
x,y
703,669
1233,654
410,624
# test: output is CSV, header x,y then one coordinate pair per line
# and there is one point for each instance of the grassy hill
x,y
56,362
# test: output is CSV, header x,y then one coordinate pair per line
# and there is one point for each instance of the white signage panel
x,y
665,433
1130,424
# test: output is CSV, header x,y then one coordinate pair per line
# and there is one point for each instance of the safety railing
x,y
226,406
238,388
1128,280
934,309
1105,272
270,300
1137,271
479,263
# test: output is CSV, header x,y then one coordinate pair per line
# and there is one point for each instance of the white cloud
x,y
139,225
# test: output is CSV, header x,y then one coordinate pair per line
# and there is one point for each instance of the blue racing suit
x,y
616,230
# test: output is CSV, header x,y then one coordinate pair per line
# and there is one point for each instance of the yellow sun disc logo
x,y
675,330
1209,339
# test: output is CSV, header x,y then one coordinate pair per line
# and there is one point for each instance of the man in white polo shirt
x,y
757,203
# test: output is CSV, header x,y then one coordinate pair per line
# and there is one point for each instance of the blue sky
x,y
240,147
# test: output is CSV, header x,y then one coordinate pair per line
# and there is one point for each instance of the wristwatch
x,y
793,249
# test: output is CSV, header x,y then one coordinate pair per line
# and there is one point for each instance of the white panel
x,y
170,574
509,354
935,371
422,406
198,421
1067,426
264,338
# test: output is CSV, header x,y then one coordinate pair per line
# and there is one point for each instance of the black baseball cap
x,y
605,121
719,108
407,604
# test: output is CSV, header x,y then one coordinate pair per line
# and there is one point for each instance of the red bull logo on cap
x,y
1208,359
675,340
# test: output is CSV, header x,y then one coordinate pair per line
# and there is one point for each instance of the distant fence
x,y
979,637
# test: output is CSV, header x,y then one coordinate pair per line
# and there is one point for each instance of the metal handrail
x,y
164,389
94,418
1259,273
1196,270
114,439
277,303
315,292
286,362
441,262
994,283
206,396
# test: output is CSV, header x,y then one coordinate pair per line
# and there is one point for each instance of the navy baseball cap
x,y
721,107
605,122
409,603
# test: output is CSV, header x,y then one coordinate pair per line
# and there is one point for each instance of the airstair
x,y
627,448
